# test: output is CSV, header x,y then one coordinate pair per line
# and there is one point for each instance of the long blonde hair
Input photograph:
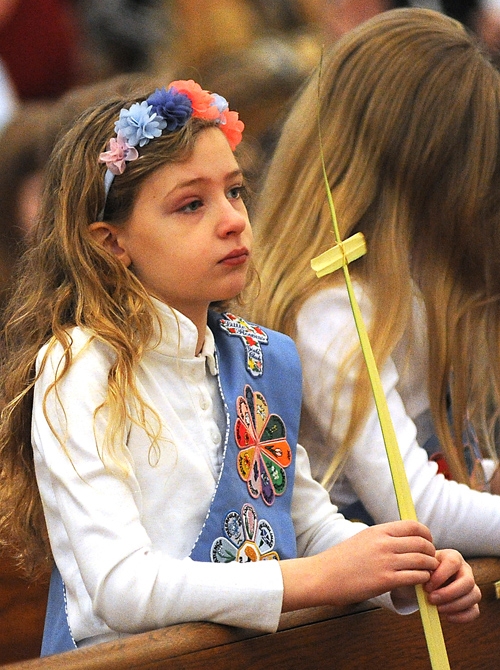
x,y
68,279
409,107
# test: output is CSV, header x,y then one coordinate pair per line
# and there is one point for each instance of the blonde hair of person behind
x,y
410,120
68,279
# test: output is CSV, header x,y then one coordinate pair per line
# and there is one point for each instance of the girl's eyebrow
x,y
197,180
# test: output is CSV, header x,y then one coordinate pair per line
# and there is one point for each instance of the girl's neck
x,y
198,317
200,321
201,338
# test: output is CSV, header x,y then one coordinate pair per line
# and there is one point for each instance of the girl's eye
x,y
236,192
192,206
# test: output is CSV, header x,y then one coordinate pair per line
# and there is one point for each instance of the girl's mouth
x,y
236,257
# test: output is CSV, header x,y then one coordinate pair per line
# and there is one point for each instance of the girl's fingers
x,y
448,603
450,563
409,528
460,586
453,576
415,562
463,617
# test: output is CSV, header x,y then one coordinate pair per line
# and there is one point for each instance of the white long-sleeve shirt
x,y
457,516
122,545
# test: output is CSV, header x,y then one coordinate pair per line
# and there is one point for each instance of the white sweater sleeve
x,y
457,516
319,525
116,579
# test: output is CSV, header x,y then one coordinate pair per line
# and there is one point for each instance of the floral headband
x,y
165,110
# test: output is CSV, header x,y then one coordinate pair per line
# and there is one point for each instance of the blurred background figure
x,y
40,46
124,35
336,17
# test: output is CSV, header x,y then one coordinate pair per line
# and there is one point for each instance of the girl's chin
x,y
233,290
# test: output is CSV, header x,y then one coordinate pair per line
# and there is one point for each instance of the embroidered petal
x,y
276,474
233,527
264,539
244,428
274,429
261,413
223,551
248,553
279,451
266,486
250,400
249,516
244,434
245,462
254,483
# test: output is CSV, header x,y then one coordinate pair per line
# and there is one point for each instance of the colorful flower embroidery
x,y
252,337
246,539
265,452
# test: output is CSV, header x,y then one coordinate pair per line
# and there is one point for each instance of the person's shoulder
x,y
332,306
336,297
83,347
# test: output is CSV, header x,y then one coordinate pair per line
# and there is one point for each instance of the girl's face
x,y
189,239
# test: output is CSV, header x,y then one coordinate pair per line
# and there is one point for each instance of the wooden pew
x,y
320,638
22,612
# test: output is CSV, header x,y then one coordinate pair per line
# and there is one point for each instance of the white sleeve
x,y
317,522
319,525
457,516
100,545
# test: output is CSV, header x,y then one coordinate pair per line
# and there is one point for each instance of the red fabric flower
x,y
201,100
232,127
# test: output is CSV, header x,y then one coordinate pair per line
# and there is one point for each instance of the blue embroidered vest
x,y
250,514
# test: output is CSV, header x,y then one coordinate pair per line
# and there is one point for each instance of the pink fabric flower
x,y
201,100
119,152
232,128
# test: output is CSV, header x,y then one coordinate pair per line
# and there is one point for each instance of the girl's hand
x,y
376,560
452,588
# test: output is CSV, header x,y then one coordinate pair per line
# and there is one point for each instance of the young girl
x,y
162,472
409,112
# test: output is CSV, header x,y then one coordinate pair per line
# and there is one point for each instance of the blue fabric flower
x,y
174,107
220,102
139,124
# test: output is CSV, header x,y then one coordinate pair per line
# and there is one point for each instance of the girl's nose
x,y
233,220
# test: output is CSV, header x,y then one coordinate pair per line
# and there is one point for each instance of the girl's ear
x,y
107,235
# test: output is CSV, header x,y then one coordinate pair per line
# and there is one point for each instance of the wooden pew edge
x,y
182,639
